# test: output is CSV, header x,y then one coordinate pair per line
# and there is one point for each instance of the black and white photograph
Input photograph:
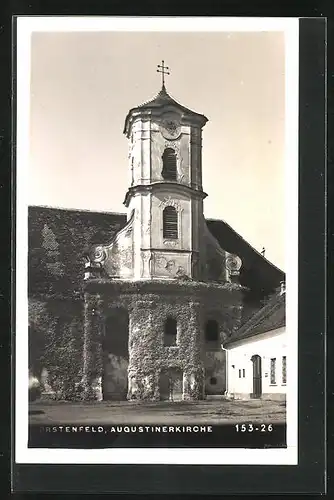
x,y
157,238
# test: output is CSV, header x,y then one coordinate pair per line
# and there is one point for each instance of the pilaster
x,y
143,376
194,373
92,347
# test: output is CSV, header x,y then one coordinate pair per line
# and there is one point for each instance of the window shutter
x,y
170,229
273,371
169,165
284,370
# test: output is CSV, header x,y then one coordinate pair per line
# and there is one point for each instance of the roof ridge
x,y
86,210
243,239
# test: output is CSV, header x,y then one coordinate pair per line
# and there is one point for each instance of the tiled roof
x,y
163,99
160,100
257,272
59,239
270,317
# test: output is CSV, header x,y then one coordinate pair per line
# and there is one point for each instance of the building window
x,y
273,371
211,331
169,165
243,373
239,373
283,369
170,229
170,332
213,381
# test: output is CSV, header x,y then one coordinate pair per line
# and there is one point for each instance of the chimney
x,y
282,287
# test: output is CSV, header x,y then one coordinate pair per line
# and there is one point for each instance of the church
x,y
140,306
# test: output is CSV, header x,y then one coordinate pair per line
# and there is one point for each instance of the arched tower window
x,y
170,229
170,332
169,165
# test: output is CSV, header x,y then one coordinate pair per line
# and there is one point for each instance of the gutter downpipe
x,y
226,369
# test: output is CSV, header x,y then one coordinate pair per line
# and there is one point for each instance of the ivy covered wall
x,y
149,304
56,344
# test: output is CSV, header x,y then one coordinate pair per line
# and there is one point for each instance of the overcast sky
x,y
83,84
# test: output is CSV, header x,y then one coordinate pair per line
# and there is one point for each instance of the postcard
x,y
157,238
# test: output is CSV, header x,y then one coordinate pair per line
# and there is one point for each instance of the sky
x,y
83,84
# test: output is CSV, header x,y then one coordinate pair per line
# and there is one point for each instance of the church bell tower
x,y
165,198
164,267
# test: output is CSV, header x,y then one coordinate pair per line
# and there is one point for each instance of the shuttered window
x,y
170,229
284,370
273,371
169,165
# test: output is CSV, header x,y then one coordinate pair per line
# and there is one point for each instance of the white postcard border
x,y
229,456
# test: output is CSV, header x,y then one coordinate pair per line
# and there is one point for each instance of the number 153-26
x,y
253,427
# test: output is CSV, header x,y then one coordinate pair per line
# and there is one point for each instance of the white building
x,y
256,354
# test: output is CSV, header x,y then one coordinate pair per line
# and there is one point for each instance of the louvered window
x,y
169,165
170,223
284,370
273,371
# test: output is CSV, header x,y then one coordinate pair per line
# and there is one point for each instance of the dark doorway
x,y
212,335
36,351
257,376
171,384
116,355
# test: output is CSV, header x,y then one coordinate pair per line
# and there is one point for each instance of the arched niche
x,y
115,346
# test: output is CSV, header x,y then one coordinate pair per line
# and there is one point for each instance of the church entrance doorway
x,y
115,355
257,376
171,384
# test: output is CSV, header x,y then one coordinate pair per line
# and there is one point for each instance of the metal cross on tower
x,y
164,70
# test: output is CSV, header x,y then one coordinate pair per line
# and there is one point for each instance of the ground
x,y
213,412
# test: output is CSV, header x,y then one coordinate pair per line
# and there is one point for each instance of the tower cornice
x,y
163,186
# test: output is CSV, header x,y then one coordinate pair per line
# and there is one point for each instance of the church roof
x,y
161,100
270,317
59,239
257,272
